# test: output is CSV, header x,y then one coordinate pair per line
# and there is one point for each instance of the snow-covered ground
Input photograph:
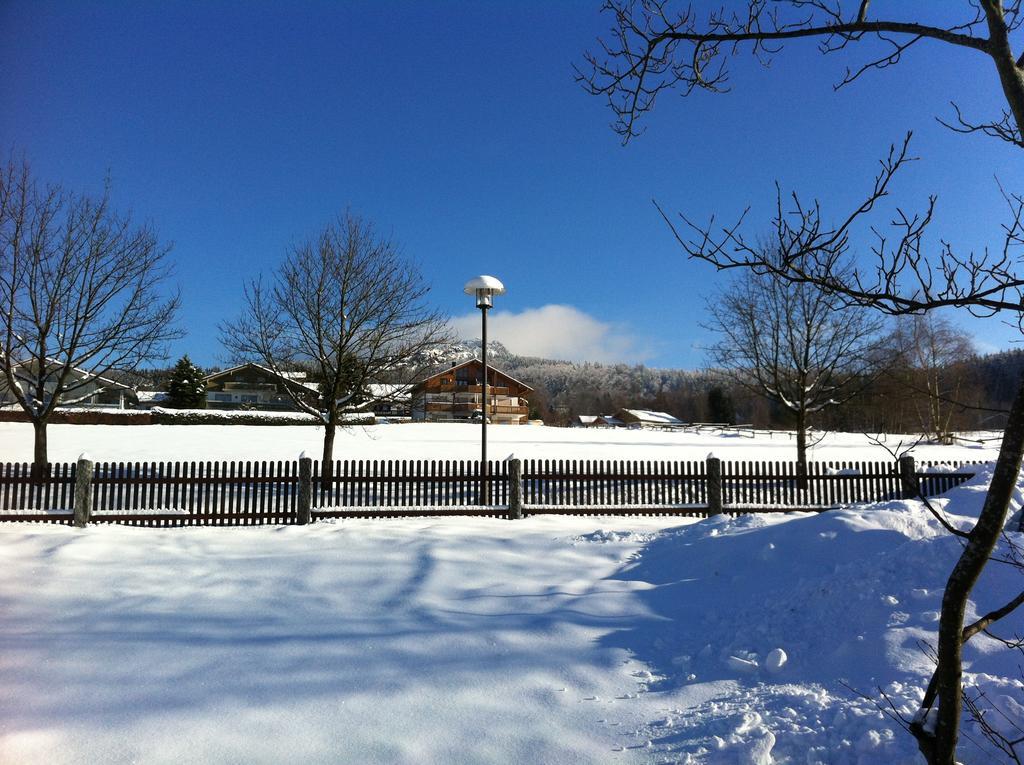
x,y
455,640
443,441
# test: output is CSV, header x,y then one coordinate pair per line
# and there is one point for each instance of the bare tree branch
x,y
659,45
991,618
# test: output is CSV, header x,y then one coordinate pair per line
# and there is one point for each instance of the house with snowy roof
x,y
645,418
597,421
253,386
390,400
149,399
82,388
456,395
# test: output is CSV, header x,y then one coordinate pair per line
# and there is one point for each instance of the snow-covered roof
x,y
146,396
655,418
598,419
388,391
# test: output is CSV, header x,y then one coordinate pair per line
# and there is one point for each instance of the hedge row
x,y
84,417
163,416
159,416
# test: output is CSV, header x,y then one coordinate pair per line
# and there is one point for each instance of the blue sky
x,y
237,129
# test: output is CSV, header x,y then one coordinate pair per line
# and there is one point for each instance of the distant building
x,y
151,398
644,418
597,421
386,400
252,386
88,390
455,395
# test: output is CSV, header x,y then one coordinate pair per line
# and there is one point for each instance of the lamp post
x,y
484,288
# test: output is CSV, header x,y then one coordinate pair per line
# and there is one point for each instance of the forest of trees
x,y
979,387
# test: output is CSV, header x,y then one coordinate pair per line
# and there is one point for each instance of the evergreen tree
x,y
186,389
720,406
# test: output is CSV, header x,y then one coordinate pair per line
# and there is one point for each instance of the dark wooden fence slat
x,y
274,490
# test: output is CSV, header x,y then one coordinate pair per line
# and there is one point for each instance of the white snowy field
x,y
547,640
455,640
443,441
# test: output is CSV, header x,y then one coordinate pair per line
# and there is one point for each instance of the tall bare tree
x,y
82,294
347,306
657,46
793,344
932,367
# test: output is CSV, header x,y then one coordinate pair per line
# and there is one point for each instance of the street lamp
x,y
484,288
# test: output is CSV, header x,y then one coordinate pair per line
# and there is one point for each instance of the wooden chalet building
x,y
455,395
252,386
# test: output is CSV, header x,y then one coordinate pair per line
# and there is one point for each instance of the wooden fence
x,y
283,492
25,497
575,486
375,488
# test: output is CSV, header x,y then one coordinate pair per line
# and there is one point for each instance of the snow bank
x,y
773,625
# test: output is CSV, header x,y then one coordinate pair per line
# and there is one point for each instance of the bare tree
x,y
655,47
932,366
904,281
793,344
83,295
347,306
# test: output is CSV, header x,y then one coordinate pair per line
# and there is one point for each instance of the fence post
x,y
83,491
908,477
305,514
714,471
515,489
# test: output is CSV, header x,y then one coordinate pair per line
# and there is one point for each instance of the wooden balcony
x,y
245,386
468,409
457,388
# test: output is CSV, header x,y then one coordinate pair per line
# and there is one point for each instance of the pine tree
x,y
186,389
720,406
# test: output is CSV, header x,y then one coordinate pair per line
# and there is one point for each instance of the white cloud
x,y
556,332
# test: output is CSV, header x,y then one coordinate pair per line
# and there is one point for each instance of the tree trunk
x,y
1010,77
39,451
801,449
327,462
934,405
939,748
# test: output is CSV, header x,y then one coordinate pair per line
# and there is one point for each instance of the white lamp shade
x,y
491,284
485,288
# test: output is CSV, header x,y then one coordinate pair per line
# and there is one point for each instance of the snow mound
x,y
807,616
604,536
